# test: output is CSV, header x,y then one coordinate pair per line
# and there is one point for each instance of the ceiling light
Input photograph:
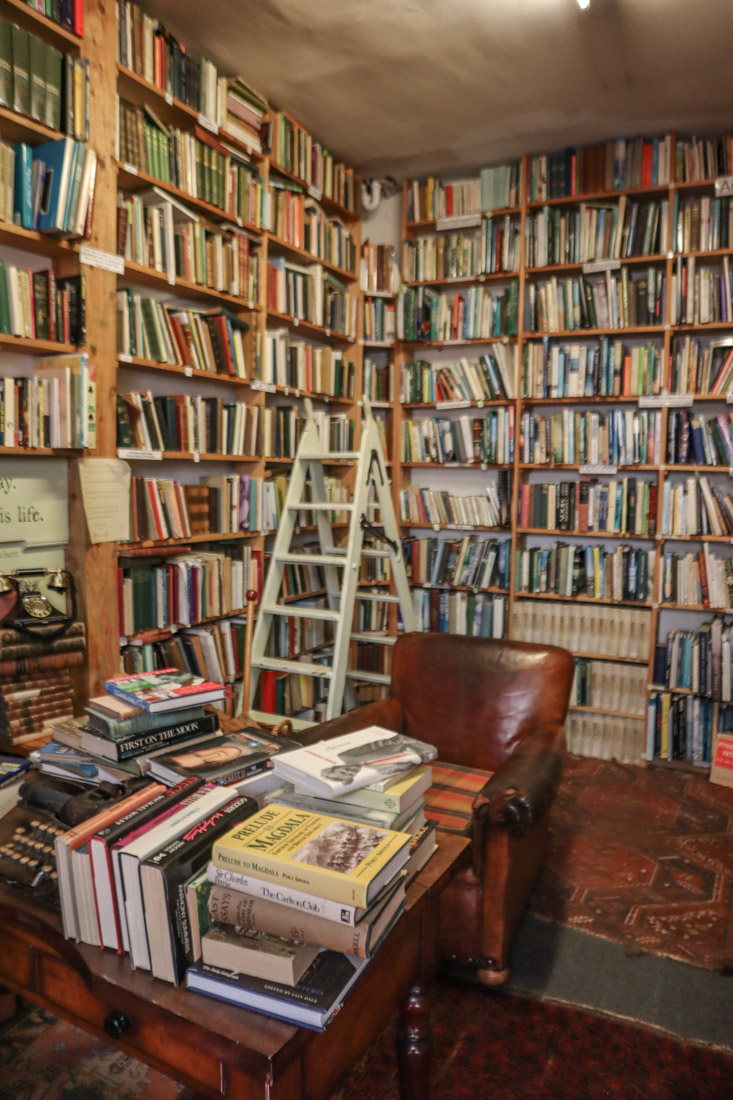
x,y
583,4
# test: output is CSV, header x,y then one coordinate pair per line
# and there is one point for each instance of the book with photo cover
x,y
165,689
247,951
224,760
342,764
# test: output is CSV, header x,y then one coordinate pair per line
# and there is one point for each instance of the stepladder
x,y
367,537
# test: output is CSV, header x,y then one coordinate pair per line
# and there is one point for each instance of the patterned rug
x,y
642,856
485,1044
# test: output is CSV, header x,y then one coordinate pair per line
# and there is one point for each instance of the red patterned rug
x,y
485,1044
642,856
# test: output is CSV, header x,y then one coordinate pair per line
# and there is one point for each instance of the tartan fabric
x,y
449,802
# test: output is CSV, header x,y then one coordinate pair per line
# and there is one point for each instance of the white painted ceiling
x,y
407,87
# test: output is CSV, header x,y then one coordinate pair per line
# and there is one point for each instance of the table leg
x,y
413,1045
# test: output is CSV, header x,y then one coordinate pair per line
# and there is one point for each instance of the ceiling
x,y
407,87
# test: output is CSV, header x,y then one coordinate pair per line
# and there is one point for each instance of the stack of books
x,y
35,684
348,832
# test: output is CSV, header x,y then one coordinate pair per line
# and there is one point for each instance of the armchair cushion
x,y
449,802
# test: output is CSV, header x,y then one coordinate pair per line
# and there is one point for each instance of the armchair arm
x,y
519,794
384,712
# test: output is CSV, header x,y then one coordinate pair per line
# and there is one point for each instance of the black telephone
x,y
32,612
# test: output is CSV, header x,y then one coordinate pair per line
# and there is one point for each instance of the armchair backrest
x,y
476,699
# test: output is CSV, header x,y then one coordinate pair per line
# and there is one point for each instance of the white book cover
x,y
355,760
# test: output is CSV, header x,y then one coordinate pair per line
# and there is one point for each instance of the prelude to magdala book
x,y
344,861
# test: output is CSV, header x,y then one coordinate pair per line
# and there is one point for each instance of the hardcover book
x,y
224,760
246,951
196,731
341,860
343,764
166,689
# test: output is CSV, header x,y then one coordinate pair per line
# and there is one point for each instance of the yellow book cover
x,y
339,860
664,744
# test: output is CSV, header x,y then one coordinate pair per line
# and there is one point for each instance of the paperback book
x,y
246,951
166,689
224,760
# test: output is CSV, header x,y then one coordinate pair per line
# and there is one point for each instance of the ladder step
x,y
282,664
311,559
309,507
301,612
386,598
377,639
369,677
376,553
334,456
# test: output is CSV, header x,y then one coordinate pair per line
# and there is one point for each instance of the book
x,y
341,860
311,1003
404,792
721,770
164,690
343,764
246,951
231,907
199,731
385,819
163,878
69,762
228,759
422,846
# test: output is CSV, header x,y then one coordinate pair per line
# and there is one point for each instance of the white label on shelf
x,y
328,332
730,474
250,304
124,358
208,124
123,639
188,371
436,526
130,168
505,339
169,99
594,266
296,322
729,397
297,393
479,404
196,456
171,278
484,466
106,261
591,469
666,401
139,455
723,186
315,192
265,387
458,221
173,628
464,527
361,343
454,405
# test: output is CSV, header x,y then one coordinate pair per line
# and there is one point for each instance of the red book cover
x,y
79,17
164,690
703,572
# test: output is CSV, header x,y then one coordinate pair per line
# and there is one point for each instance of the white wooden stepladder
x,y
340,563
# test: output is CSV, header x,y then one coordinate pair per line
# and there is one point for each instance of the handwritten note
x,y
105,491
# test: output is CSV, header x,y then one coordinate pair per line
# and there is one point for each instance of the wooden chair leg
x,y
492,977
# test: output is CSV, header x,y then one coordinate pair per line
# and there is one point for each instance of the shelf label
x,y
666,401
723,186
436,526
208,124
458,221
196,456
729,397
171,278
594,266
264,387
139,455
595,469
296,322
169,99
130,168
454,405
315,192
188,371
106,261
123,358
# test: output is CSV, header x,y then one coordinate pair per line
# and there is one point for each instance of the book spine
x,y
292,899
40,664
150,742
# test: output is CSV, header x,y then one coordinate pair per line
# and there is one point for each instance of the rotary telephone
x,y
31,612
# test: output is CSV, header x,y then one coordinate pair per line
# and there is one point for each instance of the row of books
x,y
39,81
681,727
159,232
205,339
697,660
378,271
295,150
621,165
471,614
584,629
609,301
606,368
608,686
596,232
700,295
488,378
700,439
303,366
37,305
424,315
294,636
35,681
701,368
471,562
211,651
50,187
490,509
372,616
67,13
379,321
623,506
189,422
624,573
308,292
463,255
465,440
699,579
299,220
696,507
698,159
295,694
703,223
161,508
376,380
54,407
619,437
605,737
182,589
495,188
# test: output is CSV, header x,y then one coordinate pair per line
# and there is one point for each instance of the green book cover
x,y
4,300
37,78
21,70
54,67
6,65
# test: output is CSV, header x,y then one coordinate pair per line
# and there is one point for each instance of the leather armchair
x,y
497,706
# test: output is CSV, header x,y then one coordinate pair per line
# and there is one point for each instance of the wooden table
x,y
220,1050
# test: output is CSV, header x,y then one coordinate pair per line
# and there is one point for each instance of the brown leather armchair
x,y
497,706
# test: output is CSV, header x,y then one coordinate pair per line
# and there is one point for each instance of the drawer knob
x,y
116,1023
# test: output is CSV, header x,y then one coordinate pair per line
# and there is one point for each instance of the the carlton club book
x,y
166,689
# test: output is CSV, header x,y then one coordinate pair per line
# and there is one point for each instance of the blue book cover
x,y
56,155
23,186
